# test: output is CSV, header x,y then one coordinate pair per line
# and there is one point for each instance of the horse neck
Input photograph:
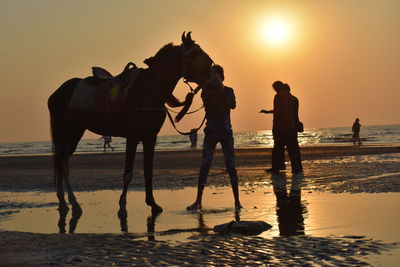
x,y
157,83
168,72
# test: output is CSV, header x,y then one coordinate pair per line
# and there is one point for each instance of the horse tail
x,y
58,106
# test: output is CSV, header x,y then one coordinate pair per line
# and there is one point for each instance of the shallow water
x,y
373,215
295,212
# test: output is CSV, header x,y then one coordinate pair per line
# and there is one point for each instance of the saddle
x,y
104,92
103,74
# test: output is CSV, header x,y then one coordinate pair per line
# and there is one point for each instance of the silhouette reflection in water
x,y
289,208
151,220
196,232
201,230
73,222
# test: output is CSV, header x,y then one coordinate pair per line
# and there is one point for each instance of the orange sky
x,y
341,57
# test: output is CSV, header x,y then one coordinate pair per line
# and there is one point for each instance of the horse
x,y
139,119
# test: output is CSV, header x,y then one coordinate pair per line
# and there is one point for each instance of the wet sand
x,y
329,235
178,169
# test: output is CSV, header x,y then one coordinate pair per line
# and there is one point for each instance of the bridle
x,y
186,79
185,55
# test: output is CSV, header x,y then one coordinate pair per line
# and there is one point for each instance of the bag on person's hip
x,y
299,127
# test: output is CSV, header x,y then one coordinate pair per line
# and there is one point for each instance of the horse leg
x,y
60,131
131,145
75,135
76,208
62,204
149,143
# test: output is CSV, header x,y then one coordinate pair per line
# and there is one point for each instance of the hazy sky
x,y
341,58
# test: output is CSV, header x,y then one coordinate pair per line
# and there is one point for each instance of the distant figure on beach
x,y
218,101
107,140
193,138
286,125
356,132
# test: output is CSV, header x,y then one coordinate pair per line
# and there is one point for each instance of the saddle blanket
x,y
103,95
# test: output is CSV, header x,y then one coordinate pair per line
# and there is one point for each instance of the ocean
x,y
370,135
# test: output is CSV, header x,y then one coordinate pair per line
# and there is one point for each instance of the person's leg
x,y
109,145
296,147
293,151
278,152
227,143
358,138
209,144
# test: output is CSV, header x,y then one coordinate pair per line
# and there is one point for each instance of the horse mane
x,y
165,50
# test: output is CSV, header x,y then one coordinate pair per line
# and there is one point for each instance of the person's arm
x,y
267,111
230,97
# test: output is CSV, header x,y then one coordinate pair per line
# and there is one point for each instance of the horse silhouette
x,y
138,117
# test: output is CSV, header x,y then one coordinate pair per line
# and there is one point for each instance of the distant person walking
x,y
356,132
107,140
218,101
193,138
286,124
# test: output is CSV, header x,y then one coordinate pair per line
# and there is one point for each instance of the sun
x,y
276,31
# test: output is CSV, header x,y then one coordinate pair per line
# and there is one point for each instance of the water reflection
x,y
203,229
196,232
73,222
289,208
151,221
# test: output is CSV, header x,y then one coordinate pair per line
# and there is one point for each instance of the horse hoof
x,y
156,209
195,206
238,206
122,214
76,210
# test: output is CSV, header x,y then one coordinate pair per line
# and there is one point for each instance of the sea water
x,y
370,135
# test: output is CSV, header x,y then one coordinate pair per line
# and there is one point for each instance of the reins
x,y
184,133
194,91
191,112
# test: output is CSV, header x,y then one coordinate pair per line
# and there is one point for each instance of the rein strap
x,y
184,133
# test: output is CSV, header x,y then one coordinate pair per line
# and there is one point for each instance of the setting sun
x,y
276,31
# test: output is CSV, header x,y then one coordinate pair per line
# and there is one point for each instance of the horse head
x,y
196,63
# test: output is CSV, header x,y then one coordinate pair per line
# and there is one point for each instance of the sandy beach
x,y
332,175
178,169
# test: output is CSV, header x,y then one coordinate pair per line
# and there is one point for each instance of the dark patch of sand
x,y
122,250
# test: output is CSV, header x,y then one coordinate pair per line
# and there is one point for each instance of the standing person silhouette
x,y
107,140
285,127
356,132
299,128
218,101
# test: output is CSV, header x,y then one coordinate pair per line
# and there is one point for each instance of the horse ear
x,y
183,37
189,38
